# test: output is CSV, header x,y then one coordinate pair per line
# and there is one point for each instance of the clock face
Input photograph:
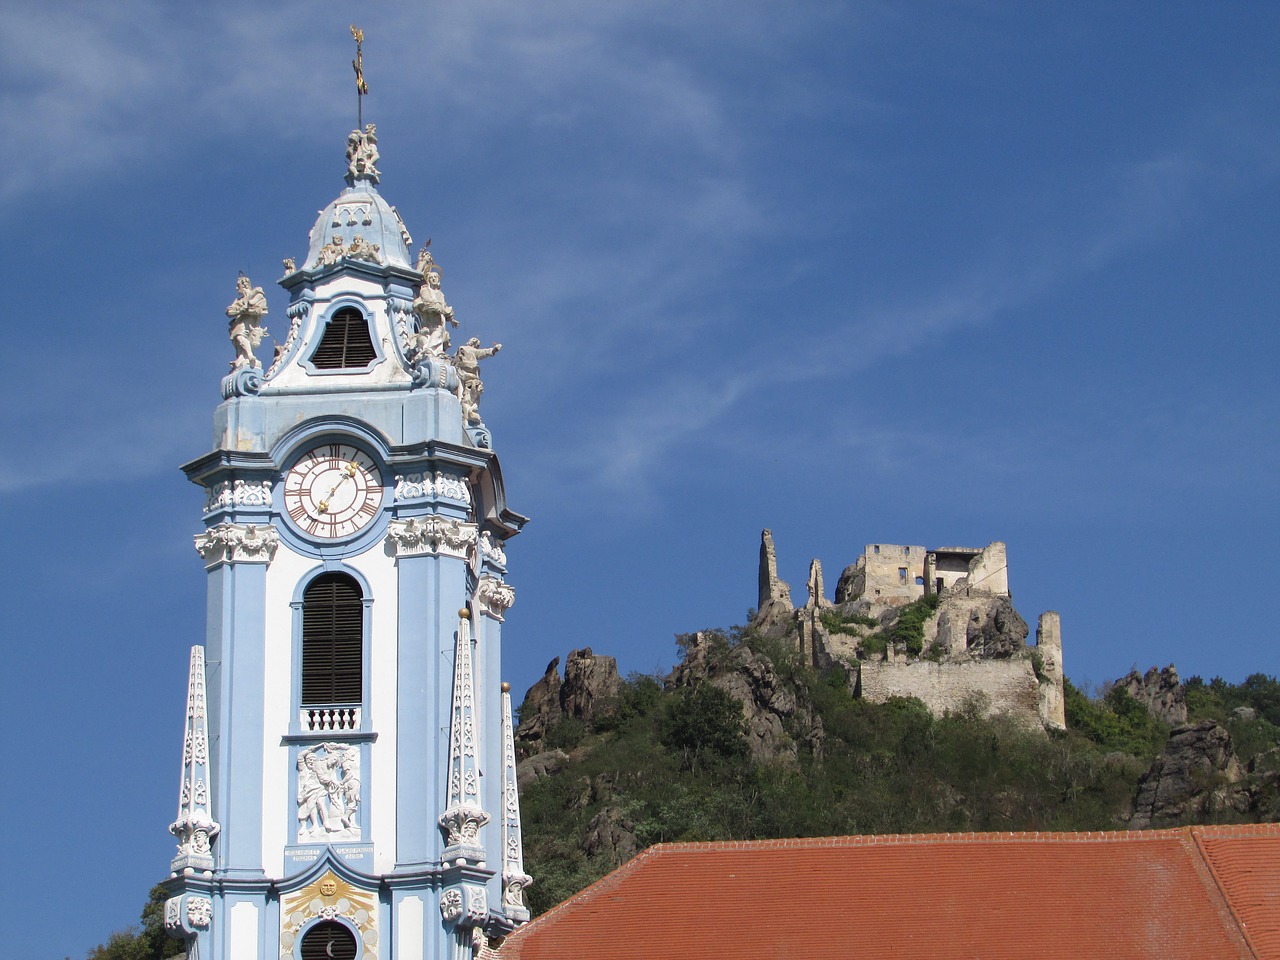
x,y
333,491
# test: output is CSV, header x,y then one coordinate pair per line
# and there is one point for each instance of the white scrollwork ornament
x,y
477,904
199,912
494,597
492,550
413,486
173,914
452,488
429,535
237,543
451,905
238,493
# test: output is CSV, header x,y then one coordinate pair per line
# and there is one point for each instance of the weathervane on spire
x,y
362,88
362,145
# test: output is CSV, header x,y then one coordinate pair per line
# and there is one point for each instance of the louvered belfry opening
x,y
332,641
329,940
346,343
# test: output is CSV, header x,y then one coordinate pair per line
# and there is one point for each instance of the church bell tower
x,y
348,775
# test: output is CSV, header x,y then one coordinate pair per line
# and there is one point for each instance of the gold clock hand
x,y
348,472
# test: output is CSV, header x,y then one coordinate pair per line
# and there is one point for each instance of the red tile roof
x,y
1193,892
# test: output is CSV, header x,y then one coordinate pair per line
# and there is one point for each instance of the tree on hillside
x,y
148,941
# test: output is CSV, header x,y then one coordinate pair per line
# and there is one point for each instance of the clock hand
x,y
348,472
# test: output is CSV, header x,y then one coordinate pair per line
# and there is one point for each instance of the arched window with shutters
x,y
332,681
328,940
345,343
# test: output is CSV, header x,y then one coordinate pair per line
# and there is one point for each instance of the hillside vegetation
x,y
670,762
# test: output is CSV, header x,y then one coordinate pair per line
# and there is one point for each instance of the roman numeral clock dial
x,y
333,491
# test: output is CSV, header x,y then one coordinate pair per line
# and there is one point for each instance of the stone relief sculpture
x,y
331,252
290,265
246,313
467,362
200,912
434,316
362,154
328,792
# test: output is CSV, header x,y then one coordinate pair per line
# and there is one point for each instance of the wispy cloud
x,y
1138,206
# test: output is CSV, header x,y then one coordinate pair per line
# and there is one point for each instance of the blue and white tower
x,y
348,777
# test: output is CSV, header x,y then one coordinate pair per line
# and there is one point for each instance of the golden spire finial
x,y
362,88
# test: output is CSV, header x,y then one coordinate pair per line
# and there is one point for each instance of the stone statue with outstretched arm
x,y
467,362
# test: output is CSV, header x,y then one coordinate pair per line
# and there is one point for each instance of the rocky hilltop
x,y
814,720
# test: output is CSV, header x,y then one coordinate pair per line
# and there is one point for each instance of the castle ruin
x,y
936,624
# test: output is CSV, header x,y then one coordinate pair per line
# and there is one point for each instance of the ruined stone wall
x,y
989,570
886,572
1002,686
1053,703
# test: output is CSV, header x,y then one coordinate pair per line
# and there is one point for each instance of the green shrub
x,y
838,622
1116,722
874,645
566,733
908,629
704,725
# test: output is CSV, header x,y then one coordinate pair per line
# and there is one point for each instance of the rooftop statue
x,y
246,313
362,249
434,316
362,154
467,362
331,252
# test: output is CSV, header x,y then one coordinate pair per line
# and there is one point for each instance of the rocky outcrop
x,y
540,765
589,690
1196,776
1159,691
591,685
769,708
612,835
980,625
852,583
541,707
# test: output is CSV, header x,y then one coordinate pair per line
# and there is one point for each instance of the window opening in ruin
x,y
902,574
919,581
906,551
877,548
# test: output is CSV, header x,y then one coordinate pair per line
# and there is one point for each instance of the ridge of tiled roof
x,y
1184,891
874,839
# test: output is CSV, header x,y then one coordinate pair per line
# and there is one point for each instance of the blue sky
x,y
914,273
